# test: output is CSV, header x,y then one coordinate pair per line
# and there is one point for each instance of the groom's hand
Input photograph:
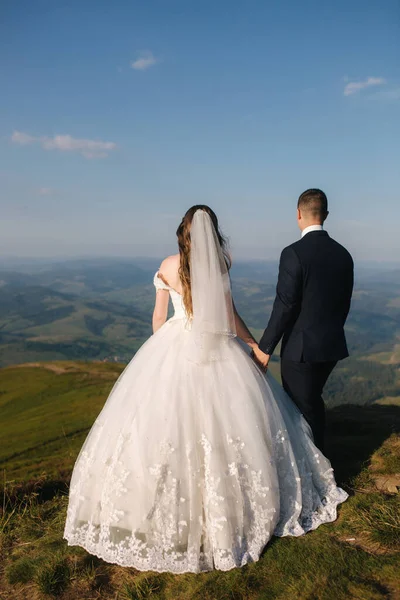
x,y
260,358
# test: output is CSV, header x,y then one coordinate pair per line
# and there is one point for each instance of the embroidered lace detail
x,y
213,519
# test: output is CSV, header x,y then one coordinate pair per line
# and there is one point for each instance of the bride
x,y
197,457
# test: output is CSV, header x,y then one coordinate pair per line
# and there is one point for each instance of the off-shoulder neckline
x,y
161,276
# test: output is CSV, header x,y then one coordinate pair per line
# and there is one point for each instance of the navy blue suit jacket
x,y
313,296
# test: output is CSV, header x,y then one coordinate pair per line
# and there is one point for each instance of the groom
x,y
312,302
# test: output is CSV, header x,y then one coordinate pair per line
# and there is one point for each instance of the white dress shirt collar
x,y
311,228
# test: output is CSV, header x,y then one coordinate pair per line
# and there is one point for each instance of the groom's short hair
x,y
314,202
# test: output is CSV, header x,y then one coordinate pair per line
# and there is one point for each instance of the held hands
x,y
260,358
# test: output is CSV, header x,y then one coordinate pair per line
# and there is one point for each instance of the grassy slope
x,y
46,413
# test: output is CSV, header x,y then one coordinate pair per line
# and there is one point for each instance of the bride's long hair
x,y
184,242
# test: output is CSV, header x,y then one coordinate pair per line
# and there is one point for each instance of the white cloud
x,y
88,148
353,87
22,138
66,143
144,61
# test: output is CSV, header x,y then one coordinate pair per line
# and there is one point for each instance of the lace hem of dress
x,y
326,513
134,553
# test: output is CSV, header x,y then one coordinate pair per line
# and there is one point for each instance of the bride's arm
x,y
243,331
160,309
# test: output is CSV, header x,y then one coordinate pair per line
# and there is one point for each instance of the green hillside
x,y
47,410
39,323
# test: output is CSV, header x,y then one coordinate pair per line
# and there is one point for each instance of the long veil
x,y
213,322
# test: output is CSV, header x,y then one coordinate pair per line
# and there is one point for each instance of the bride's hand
x,y
260,358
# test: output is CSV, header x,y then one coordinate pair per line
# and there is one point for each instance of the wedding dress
x,y
197,458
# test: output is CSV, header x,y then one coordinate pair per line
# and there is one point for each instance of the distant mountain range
x,y
100,309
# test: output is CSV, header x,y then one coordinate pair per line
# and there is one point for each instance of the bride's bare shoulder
x,y
170,263
169,269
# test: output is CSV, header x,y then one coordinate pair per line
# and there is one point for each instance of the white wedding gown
x,y
192,467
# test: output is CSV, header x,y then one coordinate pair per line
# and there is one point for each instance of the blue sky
x,y
115,117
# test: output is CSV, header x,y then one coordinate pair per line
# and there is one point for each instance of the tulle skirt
x,y
192,467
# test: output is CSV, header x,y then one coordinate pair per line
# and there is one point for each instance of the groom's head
x,y
312,208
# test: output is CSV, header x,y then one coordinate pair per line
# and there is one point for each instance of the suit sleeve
x,y
350,286
287,302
